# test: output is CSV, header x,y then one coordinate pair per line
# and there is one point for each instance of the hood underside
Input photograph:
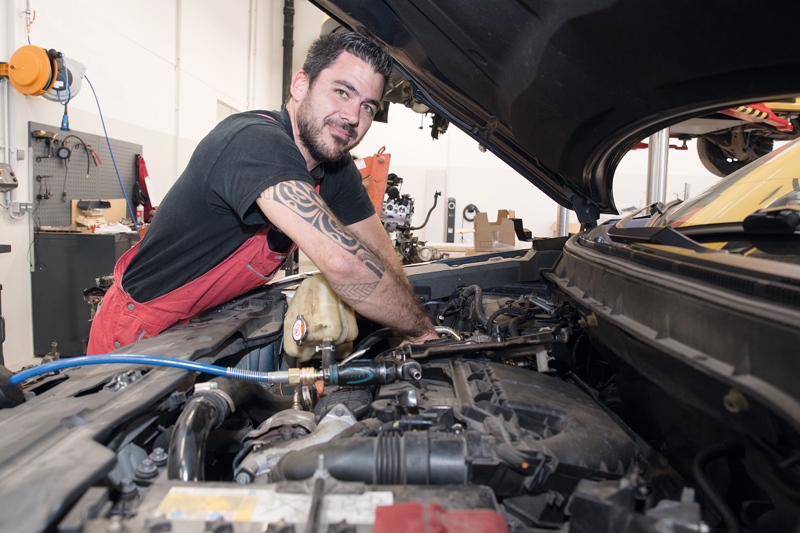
x,y
562,90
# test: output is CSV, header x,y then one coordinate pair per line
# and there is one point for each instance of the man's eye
x,y
368,109
340,92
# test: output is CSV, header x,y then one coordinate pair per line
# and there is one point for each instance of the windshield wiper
x,y
776,222
655,235
773,221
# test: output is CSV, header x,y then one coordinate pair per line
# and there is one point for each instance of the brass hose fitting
x,y
304,376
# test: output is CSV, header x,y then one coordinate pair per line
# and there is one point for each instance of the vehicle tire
x,y
721,163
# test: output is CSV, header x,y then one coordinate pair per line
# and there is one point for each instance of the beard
x,y
310,130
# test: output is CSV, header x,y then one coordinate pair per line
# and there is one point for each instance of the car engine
x,y
396,215
509,422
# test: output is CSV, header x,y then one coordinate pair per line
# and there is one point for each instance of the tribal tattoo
x,y
304,201
356,293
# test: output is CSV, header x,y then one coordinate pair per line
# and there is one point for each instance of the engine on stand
x,y
396,217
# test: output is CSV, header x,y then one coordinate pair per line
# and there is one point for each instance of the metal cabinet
x,y
66,265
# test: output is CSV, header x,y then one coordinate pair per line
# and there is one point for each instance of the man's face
x,y
335,113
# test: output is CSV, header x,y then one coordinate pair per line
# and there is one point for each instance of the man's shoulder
x,y
269,123
265,135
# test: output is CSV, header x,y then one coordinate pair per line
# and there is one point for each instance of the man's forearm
x,y
372,234
389,303
360,275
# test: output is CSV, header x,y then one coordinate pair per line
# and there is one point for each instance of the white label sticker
x,y
266,505
361,164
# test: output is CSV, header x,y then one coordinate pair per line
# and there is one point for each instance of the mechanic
x,y
259,184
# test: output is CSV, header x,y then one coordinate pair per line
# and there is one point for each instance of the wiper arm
x,y
773,221
655,235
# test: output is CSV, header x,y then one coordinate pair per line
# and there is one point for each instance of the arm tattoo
x,y
303,200
355,293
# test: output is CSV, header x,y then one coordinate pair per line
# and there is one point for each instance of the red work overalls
x,y
122,320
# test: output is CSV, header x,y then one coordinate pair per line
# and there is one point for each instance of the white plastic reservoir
x,y
316,314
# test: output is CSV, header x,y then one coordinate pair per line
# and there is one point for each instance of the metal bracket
x,y
587,211
522,234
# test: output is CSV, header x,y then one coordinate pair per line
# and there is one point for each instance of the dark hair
x,y
325,50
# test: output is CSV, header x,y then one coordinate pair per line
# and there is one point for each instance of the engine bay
x,y
528,414
510,421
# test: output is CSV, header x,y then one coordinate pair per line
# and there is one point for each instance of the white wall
x,y
160,68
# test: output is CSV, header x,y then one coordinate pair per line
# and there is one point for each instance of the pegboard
x,y
102,182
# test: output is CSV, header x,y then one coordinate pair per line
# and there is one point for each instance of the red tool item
x,y
95,157
144,177
376,169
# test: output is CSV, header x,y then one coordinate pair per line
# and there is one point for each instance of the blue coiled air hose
x,y
236,373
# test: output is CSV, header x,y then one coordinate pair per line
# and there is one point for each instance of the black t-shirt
x,y
210,211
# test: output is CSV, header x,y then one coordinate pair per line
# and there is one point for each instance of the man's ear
x,y
299,86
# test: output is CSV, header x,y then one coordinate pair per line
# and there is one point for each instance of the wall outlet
x,y
18,208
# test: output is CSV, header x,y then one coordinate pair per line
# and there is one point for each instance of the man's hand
x,y
356,263
397,342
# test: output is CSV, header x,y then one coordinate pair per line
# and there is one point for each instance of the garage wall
x,y
161,69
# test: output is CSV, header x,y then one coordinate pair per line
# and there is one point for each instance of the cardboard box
x,y
494,236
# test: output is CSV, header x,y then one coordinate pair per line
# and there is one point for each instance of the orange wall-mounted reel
x,y
31,70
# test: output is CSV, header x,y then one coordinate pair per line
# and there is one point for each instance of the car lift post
x,y
657,167
562,221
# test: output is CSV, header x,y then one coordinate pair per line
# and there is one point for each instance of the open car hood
x,y
562,90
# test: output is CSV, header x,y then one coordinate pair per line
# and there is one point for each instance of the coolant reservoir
x,y
316,314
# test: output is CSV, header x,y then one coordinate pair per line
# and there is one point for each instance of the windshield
x,y
771,181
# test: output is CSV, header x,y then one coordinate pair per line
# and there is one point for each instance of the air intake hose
x,y
416,458
205,411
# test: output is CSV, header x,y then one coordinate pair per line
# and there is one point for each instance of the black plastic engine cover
x,y
538,414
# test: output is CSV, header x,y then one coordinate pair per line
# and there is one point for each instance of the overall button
x,y
130,307
116,345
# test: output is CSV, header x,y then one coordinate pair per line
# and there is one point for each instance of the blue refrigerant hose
x,y
236,373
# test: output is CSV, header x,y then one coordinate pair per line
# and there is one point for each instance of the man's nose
x,y
350,113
